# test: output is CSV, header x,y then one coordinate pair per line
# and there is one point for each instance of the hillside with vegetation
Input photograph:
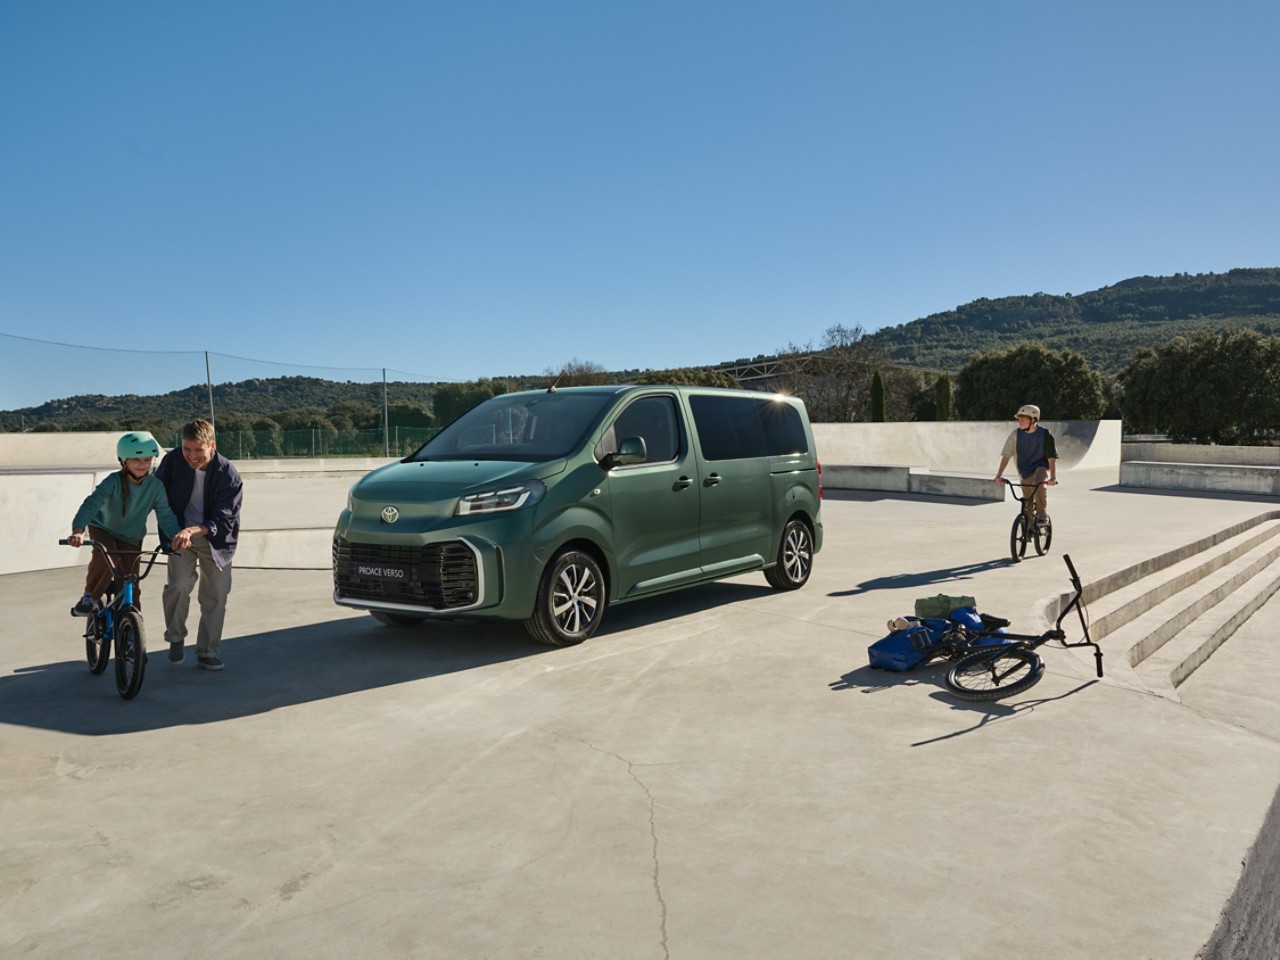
x,y
1105,326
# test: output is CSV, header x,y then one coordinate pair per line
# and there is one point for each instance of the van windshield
x,y
530,427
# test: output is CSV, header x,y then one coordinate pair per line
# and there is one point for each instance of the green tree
x,y
877,398
452,400
689,376
1219,387
942,398
992,386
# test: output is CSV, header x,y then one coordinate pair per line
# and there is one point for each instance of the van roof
x,y
621,388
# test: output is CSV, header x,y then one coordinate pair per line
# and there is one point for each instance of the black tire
x,y
570,602
794,558
131,654
1018,537
994,676
397,619
97,646
1044,537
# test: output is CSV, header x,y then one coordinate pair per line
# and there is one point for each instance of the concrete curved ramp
x,y
968,446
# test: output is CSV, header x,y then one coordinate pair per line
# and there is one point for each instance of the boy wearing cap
x,y
1032,448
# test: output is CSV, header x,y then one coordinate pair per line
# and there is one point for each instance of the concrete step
x,y
1127,594
1149,614
1176,608
1167,668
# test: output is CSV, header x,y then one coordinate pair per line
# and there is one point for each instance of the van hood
x,y
427,480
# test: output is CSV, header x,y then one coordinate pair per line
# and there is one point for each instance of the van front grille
x,y
440,576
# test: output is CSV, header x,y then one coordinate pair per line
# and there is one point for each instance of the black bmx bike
x,y
1026,528
1009,669
118,623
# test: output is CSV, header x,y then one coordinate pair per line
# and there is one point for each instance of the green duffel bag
x,y
941,605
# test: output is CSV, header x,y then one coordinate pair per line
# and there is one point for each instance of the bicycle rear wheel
x,y
97,645
131,654
1018,537
1044,537
994,676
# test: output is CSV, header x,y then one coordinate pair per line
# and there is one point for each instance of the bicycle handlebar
x,y
109,556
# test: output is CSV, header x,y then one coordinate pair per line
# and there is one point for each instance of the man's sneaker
x,y
210,663
1042,523
175,652
84,608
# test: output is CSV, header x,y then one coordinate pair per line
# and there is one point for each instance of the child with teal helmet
x,y
116,515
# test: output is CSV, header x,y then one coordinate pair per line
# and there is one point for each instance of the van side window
x,y
653,418
733,428
783,429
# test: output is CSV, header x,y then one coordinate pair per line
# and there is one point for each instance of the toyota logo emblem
x,y
390,514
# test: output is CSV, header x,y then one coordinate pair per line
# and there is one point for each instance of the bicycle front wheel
x,y
1018,537
994,676
1044,537
97,645
131,654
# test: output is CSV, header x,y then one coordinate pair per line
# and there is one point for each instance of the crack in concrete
x,y
656,876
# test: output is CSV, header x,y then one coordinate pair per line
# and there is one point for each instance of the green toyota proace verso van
x,y
547,506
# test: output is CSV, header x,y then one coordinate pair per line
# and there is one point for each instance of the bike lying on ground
x,y
1025,527
119,623
1009,669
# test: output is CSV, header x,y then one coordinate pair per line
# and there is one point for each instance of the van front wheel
x,y
570,600
795,557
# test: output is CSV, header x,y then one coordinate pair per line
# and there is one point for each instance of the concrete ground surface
x,y
716,774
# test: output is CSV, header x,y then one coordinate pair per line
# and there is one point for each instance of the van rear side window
x,y
732,428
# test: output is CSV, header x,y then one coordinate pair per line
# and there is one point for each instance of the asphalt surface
x,y
717,774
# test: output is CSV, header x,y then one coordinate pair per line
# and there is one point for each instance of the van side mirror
x,y
630,450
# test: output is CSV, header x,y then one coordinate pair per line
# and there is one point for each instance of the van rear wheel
x,y
570,603
795,557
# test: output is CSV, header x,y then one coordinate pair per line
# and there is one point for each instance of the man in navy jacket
x,y
205,492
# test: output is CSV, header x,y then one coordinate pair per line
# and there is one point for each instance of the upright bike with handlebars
x,y
1026,529
118,623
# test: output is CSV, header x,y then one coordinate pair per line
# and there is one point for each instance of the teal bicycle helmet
x,y
137,446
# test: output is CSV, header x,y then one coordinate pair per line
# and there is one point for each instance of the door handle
x,y
712,480
683,482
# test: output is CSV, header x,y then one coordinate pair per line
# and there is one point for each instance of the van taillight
x,y
819,462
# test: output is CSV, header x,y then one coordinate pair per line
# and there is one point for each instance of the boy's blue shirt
x,y
102,509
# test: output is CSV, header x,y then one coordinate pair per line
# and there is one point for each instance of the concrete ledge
x,y
926,482
304,549
1208,477
1201,453
866,477
917,480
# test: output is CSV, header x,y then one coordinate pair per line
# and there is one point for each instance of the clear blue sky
x,y
489,187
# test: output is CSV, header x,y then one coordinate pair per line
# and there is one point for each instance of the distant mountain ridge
x,y
1106,326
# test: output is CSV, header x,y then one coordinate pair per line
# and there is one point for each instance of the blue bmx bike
x,y
118,623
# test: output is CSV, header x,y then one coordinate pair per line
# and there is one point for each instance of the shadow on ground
x,y
964,572
281,668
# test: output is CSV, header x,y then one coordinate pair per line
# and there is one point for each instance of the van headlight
x,y
502,498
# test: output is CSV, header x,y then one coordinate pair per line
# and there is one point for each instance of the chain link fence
x,y
261,409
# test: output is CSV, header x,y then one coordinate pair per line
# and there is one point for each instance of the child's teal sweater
x,y
102,509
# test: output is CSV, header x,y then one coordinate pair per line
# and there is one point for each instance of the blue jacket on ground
x,y
223,495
